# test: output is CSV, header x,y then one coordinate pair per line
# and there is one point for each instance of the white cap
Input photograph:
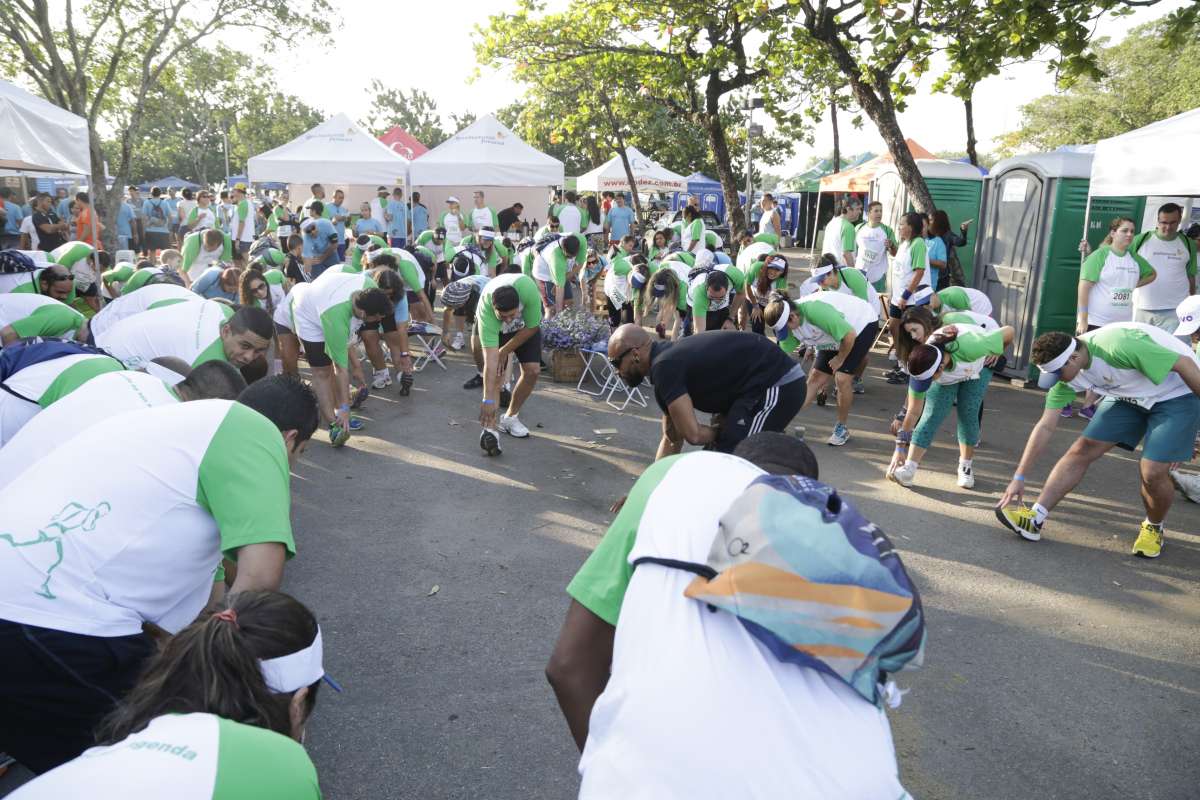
x,y
1189,316
451,199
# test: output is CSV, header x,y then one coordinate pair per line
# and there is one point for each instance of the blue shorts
x,y
1167,431
568,293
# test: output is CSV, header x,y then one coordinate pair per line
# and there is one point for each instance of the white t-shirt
x,y
184,209
16,306
1170,285
140,539
903,267
766,223
98,399
28,228
191,331
148,297
481,218
750,253
315,313
834,241
696,707
285,312
185,757
1113,277
857,313
570,219
871,254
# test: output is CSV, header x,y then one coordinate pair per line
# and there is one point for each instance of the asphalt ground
x,y
1062,669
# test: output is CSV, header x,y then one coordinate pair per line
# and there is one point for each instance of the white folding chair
x,y
430,338
596,368
633,395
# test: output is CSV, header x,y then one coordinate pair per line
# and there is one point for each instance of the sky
x,y
438,57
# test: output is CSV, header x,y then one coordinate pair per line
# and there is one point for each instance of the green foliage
x,y
415,111
1143,80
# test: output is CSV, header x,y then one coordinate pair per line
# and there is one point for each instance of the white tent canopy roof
x,y
485,153
1155,160
336,151
649,175
39,136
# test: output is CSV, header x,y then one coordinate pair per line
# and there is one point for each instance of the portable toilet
x,y
1028,249
957,189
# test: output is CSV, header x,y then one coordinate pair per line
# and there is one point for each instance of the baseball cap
x,y
240,186
1189,316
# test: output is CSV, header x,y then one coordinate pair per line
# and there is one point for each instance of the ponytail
x,y
212,666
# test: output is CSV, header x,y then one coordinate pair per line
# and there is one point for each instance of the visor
x,y
781,324
921,297
1046,380
658,290
294,671
928,374
821,272
777,262
451,199
1055,365
638,280
1189,316
490,235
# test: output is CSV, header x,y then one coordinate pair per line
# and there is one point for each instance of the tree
x,y
103,59
1144,80
688,57
882,48
415,111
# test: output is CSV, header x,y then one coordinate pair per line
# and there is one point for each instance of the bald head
x,y
626,337
629,350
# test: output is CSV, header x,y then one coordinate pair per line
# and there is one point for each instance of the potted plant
x,y
563,335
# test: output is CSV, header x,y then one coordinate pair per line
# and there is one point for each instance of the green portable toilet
x,y
1028,250
957,189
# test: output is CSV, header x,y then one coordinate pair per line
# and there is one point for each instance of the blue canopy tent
x,y
965,160
712,196
234,180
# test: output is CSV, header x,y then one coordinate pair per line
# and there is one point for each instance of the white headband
x,y
937,362
777,262
1057,363
921,296
487,235
286,674
781,324
821,272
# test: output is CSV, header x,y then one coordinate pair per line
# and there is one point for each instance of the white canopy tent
x,y
488,157
648,175
40,137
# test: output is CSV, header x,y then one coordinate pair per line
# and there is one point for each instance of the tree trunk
x,y
969,107
719,144
837,147
877,103
619,138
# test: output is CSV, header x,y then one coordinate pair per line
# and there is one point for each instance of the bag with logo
x,y
20,355
816,583
547,240
14,261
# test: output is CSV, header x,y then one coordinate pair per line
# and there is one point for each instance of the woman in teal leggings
x,y
949,368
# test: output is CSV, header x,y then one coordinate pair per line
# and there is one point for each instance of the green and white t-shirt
x,y
1173,261
140,278
325,313
494,255
484,218
968,351
839,239
201,217
196,259
910,257
1130,361
127,305
962,298
750,254
826,317
529,307
50,381
755,269
456,227
441,252
552,263
692,233
243,212
187,330
616,280
698,289
871,249
37,315
854,282
1114,276
140,540
185,757
87,392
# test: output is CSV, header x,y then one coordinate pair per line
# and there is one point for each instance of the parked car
x,y
711,222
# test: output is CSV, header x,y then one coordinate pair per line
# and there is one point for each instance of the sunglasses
x,y
616,362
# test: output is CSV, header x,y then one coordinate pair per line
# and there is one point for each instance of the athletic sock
x,y
964,463
1039,513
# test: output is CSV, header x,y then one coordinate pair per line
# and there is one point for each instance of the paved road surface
x,y
1065,669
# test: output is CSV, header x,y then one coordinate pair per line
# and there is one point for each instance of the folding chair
x,y
631,395
430,338
596,368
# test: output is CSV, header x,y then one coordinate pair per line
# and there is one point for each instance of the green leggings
x,y
938,402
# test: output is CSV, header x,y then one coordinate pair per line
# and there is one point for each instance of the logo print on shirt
x,y
73,517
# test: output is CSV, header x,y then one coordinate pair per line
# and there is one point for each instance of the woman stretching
x,y
951,366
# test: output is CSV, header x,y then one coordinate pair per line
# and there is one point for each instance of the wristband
x,y
1019,478
487,402
344,407
906,294
404,355
904,436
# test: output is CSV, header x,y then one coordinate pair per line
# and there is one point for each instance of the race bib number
x,y
1140,402
513,325
1122,297
870,256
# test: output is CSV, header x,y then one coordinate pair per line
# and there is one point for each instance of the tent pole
x,y
813,229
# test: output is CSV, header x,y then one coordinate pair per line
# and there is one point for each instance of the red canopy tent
x,y
403,143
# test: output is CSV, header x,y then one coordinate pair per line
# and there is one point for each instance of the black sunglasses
x,y
616,362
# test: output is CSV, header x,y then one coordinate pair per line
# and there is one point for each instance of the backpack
x,y
954,270
13,262
547,240
20,355
814,582
157,212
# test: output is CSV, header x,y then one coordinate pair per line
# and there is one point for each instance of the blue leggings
x,y
940,400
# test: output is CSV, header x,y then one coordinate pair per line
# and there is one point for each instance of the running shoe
x,y
360,396
356,424
512,426
840,435
904,474
966,477
458,342
1021,521
338,435
475,382
1149,542
896,376
1067,412
1087,412
489,441
381,379
1188,484
505,397
859,386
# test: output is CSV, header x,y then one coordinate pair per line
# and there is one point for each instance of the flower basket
x,y
564,335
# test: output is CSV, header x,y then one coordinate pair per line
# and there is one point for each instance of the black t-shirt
x,y
47,241
715,368
505,219
292,270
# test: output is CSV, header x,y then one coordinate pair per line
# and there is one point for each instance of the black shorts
x,y
314,353
715,319
467,309
283,330
528,353
385,325
414,298
157,240
862,346
91,291
895,311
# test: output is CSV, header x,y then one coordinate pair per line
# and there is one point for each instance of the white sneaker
x,y
458,341
381,379
1188,484
512,426
966,477
905,473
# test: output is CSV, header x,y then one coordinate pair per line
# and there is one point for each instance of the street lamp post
x,y
752,130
